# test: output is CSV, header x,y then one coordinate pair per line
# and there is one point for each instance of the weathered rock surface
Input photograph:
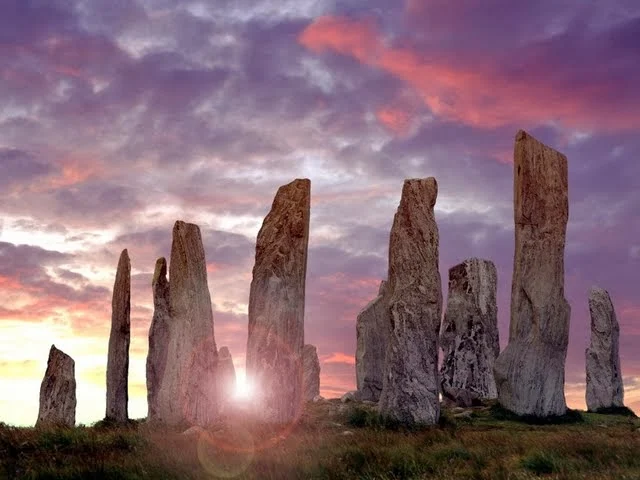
x,y
529,373
311,372
373,329
226,376
410,390
188,390
158,336
276,305
604,379
119,340
58,391
469,333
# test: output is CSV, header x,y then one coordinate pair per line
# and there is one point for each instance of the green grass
x,y
336,441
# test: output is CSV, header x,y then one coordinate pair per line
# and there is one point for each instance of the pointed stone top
x,y
383,287
59,354
160,270
124,260
295,191
421,186
180,226
224,353
308,348
523,137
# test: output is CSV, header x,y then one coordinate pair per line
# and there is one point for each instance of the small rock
x,y
195,430
318,398
347,432
465,414
349,397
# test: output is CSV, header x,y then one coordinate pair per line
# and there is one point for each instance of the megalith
x,y
276,305
58,391
158,336
469,332
529,373
373,329
604,379
410,390
119,340
226,376
311,372
188,392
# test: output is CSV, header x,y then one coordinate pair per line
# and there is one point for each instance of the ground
x,y
335,441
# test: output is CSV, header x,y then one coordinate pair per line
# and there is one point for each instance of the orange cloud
x,y
395,119
474,95
339,357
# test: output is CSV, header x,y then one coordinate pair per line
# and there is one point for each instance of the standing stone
x,y
58,391
276,305
410,390
188,392
373,329
604,380
529,373
226,376
469,332
158,336
311,368
118,356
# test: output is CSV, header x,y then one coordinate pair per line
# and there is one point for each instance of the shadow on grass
x,y
622,411
500,413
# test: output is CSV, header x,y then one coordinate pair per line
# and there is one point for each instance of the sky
x,y
119,117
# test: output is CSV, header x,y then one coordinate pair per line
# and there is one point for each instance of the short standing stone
x,y
188,392
311,366
529,373
58,391
604,379
469,332
276,305
410,392
372,330
118,355
226,376
158,336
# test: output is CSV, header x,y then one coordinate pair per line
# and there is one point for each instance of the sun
x,y
244,389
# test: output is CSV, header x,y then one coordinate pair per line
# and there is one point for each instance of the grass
x,y
336,441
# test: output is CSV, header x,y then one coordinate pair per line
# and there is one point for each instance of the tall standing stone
x,y
469,331
604,379
410,390
58,391
529,373
311,375
119,340
373,329
188,392
226,376
276,305
158,336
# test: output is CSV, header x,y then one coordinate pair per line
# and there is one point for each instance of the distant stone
x,y
604,379
373,329
318,398
349,397
158,336
188,392
226,376
530,371
460,397
119,340
410,391
58,391
469,333
311,372
276,305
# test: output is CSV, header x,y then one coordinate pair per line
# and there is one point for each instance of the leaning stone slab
x,y
469,333
604,379
276,305
529,373
158,336
373,329
410,390
58,391
119,340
